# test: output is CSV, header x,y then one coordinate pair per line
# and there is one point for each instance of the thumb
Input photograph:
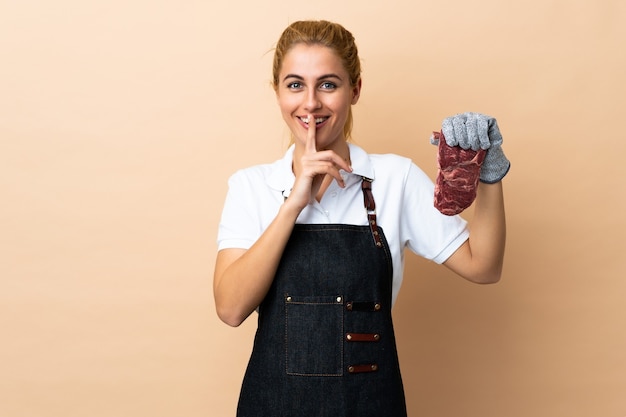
x,y
435,138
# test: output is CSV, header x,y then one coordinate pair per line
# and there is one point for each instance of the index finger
x,y
311,143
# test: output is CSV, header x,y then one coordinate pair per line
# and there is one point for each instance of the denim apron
x,y
325,343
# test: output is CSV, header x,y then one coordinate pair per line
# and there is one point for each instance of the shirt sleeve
x,y
238,226
426,231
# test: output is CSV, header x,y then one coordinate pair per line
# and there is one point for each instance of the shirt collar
x,y
282,178
361,164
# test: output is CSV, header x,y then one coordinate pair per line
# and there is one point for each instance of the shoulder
x,y
379,166
397,168
276,175
261,175
390,160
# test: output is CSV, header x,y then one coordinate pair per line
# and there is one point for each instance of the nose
x,y
312,101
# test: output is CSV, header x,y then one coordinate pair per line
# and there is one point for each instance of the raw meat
x,y
457,177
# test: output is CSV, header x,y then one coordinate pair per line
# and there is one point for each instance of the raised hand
x,y
313,168
478,131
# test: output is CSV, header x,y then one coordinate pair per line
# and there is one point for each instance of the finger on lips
x,y
328,157
311,143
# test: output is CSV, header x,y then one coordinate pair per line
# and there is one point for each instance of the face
x,y
313,81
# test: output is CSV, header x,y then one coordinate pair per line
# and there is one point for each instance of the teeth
x,y
317,120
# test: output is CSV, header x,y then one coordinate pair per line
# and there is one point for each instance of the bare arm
x,y
243,277
480,258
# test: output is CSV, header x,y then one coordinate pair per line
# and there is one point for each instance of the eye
x,y
294,85
328,86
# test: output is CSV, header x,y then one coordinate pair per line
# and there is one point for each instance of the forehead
x,y
311,60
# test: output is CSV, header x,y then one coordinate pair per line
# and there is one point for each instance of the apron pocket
x,y
314,335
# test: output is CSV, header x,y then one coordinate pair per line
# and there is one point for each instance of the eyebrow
x,y
322,77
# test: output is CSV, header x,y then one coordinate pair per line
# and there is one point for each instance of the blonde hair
x,y
328,34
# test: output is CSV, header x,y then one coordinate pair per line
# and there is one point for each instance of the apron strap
x,y
370,207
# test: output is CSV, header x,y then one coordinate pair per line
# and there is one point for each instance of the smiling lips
x,y
318,120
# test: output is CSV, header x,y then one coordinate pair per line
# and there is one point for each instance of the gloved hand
x,y
478,131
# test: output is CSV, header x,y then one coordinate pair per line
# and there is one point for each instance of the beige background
x,y
120,122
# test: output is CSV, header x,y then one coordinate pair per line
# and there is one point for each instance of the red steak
x,y
457,177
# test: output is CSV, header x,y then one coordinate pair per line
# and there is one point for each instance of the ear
x,y
356,92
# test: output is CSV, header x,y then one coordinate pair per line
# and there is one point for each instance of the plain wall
x,y
120,122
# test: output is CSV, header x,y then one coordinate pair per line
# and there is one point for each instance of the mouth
x,y
318,120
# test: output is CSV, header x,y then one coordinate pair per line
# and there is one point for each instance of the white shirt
x,y
404,206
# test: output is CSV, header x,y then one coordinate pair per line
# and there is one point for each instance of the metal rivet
x,y
350,369
379,244
374,367
288,299
377,306
349,336
349,306
376,337
338,299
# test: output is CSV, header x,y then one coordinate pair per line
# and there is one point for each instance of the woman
x,y
314,242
